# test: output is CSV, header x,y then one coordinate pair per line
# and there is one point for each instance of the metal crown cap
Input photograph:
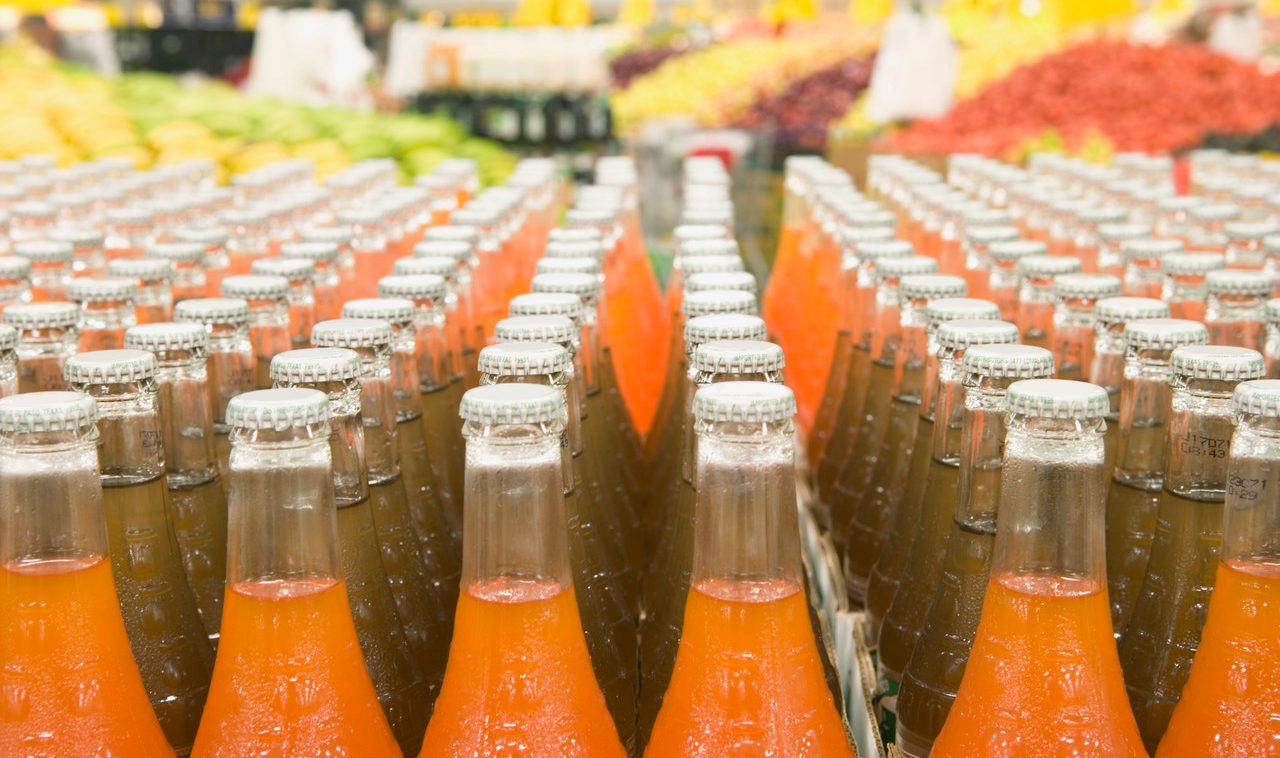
x,y
88,290
47,412
453,231
1271,311
857,236
317,364
33,209
557,329
351,333
212,310
896,268
738,357
989,234
171,252
13,267
109,367
1101,215
1088,286
1048,265
546,304
709,263
686,233
454,249
1057,398
1217,362
1182,264
278,409
1009,361
1123,232
211,235
412,286
256,287
1118,309
391,309
745,402
141,268
363,216
966,332
1235,281
589,216
1141,247
77,237
723,326
435,265
946,309
331,235
44,251
583,285
289,268
243,216
1016,249
931,286
475,216
523,359
1260,397
720,280
1215,212
1164,333
8,337
585,234
165,336
705,216
1250,230
709,246
512,404
567,266
707,302
593,249
883,250
985,216
42,315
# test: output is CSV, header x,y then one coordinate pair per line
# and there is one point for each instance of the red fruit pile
x,y
802,111
635,63
1152,99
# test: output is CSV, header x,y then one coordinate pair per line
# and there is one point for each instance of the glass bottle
x,y
1006,278
1164,629
933,672
1271,349
745,620
30,220
469,319
1234,311
1035,295
217,265
248,239
301,274
1173,218
268,299
517,619
1043,672
86,249
397,676
152,277
170,645
61,632
106,311
978,265
127,231
186,269
1207,223
47,336
1229,700
286,593
1184,287
1112,241
1142,258
325,282
1075,296
230,362
1245,248
370,255
461,335
8,360
191,466
1110,316
51,267
15,281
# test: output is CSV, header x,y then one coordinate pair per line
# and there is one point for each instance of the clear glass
x,y
41,355
269,333
104,322
1236,320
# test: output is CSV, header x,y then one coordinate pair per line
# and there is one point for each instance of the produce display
x,y
801,113
627,66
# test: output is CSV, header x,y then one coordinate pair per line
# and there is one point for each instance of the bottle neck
x,y
981,447
1184,287
592,341
378,413
107,314
1107,370
1035,306
50,499
1250,536
266,313
182,387
1200,428
697,380
435,358
948,412
130,446
406,384
913,354
1144,405
888,322
346,439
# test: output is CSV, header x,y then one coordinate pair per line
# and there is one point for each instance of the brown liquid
x,y
824,424
41,374
841,442
1131,523
855,477
170,645
200,525
445,446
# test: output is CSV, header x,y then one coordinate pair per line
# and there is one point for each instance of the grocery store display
x,y
798,116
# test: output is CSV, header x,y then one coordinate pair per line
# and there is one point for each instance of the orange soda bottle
x,y
30,218
464,288
369,246
326,284
1234,309
745,620
1088,241
15,281
127,230
1043,676
47,336
60,625
1230,700
1164,630
289,678
1113,240
230,361
1246,241
786,276
216,263
517,619
1271,312
443,193
1141,260
89,257
106,311
1035,296
248,238
187,277
1184,282
341,238
1207,226
300,273
268,300
1075,296
152,277
1005,277
978,265
492,275
8,360
50,264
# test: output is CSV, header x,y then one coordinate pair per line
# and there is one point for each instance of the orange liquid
x,y
69,683
1043,678
289,679
780,289
519,678
1230,703
100,339
371,265
747,679
241,261
637,324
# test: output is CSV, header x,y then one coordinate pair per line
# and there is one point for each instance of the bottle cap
x,y
546,304
567,266
1123,232
696,248
212,310
593,249
457,251
42,315
393,310
33,209
1164,333
453,231
87,290
435,265
109,367
234,217
256,287
77,236
166,336
331,235
8,337
1009,361
1125,309
1180,202
365,215
870,218
557,329
1057,398
686,233
883,250
13,267
1217,362
278,409
705,264
523,359
1271,311
930,286
737,357
1184,264
582,285
1260,397
1101,215
723,326
589,217
1048,265
412,286
1249,230
317,364
351,333
722,216
946,309
512,404
587,234
1086,286
47,412
170,253
857,236
967,332
289,268
44,251
897,268
720,280
475,216
1141,247
744,402
1215,212
203,235
983,215
1016,249
985,235
145,269
1236,281
707,302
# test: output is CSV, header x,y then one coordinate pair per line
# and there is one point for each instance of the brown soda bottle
x,y
1110,315
1142,260
871,521
170,645
191,468
1163,633
153,301
397,676
301,275
1234,310
230,362
187,277
934,670
465,289
268,299
51,270
1073,332
47,336
1184,284
1140,454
